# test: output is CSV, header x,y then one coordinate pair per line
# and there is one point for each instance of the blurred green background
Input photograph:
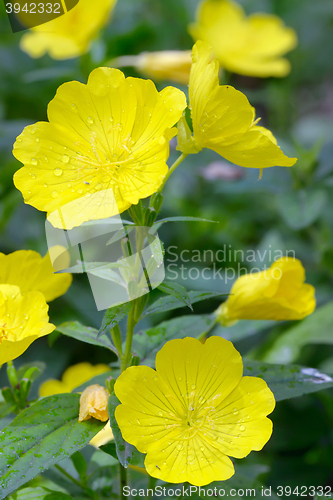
x,y
289,209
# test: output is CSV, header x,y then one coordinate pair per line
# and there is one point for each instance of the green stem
x,y
116,338
152,482
75,481
126,358
171,169
212,326
123,481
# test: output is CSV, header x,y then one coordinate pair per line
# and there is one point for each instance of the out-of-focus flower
x,y
94,403
278,293
194,411
72,377
31,272
172,65
23,319
224,120
69,35
104,148
251,45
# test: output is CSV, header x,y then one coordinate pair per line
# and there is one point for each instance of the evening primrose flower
x,y
278,293
72,377
251,46
69,35
94,403
23,319
30,271
104,148
224,120
194,411
172,65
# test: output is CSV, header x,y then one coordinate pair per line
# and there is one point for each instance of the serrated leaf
x,y
86,334
41,436
112,317
169,303
288,381
147,343
125,452
315,329
177,291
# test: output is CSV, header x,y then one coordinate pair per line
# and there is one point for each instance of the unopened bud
x,y
94,403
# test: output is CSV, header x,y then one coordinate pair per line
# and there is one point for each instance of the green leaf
x,y
315,329
86,334
288,381
80,465
38,493
120,234
39,365
169,303
177,291
301,208
6,409
243,329
147,343
125,452
112,317
137,459
41,436
183,219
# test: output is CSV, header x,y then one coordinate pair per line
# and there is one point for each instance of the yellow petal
x,y
102,437
104,148
23,319
52,386
94,403
29,271
69,35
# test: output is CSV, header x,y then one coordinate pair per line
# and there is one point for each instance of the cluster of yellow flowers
x,y
112,135
27,283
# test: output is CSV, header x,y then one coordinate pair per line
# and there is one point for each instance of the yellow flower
x,y
172,65
278,293
72,377
29,271
224,121
23,319
104,148
194,411
251,46
94,403
69,35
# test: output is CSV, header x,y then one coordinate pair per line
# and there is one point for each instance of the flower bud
x,y
94,403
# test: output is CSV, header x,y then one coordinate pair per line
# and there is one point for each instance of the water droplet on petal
x,y
241,428
90,120
202,449
74,108
80,191
37,139
55,194
65,159
193,387
57,172
34,161
235,411
179,447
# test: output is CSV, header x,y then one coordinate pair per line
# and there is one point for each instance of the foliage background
x,y
285,210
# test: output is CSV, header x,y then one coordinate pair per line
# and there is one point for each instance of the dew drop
x,y
65,159
55,194
202,449
34,161
164,463
57,172
201,400
160,414
45,185
74,108
80,191
192,387
19,139
90,120
37,139
235,411
69,185
179,447
33,131
241,428
179,378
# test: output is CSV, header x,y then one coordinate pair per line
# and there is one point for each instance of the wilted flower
x,y
172,65
278,293
94,403
104,148
194,411
251,45
23,319
30,271
69,35
72,377
224,120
